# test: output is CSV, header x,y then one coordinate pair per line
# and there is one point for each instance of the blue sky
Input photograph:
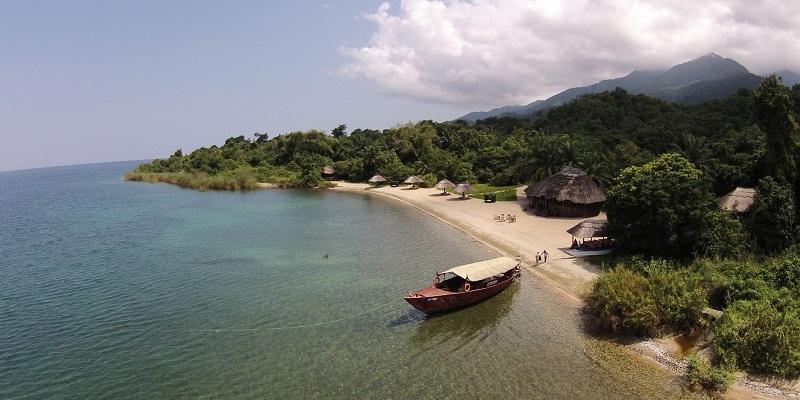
x,y
109,80
92,81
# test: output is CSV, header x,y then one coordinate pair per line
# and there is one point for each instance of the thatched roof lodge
x,y
739,200
569,193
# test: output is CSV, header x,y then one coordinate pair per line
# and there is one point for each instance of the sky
x,y
93,81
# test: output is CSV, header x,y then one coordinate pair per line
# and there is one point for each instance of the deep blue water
x,y
114,289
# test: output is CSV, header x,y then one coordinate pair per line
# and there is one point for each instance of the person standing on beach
x,y
544,255
538,257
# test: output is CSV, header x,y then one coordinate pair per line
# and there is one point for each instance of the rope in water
x,y
279,328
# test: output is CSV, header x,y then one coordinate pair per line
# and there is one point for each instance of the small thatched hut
x,y
590,228
569,193
739,200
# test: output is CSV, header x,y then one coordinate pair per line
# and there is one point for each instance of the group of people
x,y
541,256
506,218
591,245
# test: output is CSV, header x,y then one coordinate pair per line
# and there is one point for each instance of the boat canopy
x,y
484,269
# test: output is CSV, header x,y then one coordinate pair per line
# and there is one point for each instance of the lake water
x,y
113,289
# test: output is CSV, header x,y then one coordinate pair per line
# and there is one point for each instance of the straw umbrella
x,y
463,188
444,184
413,180
377,180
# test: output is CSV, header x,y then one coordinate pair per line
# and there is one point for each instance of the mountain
x,y
790,78
706,78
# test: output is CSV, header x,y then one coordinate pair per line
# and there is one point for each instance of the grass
x,y
198,181
504,193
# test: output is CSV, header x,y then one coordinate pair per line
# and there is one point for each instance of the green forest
x,y
662,166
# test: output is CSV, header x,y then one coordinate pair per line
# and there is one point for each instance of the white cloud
x,y
496,52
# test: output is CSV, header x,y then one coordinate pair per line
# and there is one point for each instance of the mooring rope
x,y
278,328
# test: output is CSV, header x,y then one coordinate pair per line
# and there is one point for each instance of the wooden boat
x,y
465,285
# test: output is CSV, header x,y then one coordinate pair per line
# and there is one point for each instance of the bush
x,y
760,337
507,195
726,236
785,271
679,298
430,180
699,372
619,303
624,302
728,281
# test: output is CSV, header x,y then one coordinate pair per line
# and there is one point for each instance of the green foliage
x,y
775,115
679,299
646,297
601,133
503,193
772,217
700,373
760,336
726,236
619,304
784,272
660,208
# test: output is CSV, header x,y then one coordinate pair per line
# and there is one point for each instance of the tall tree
x,y
660,208
771,220
775,115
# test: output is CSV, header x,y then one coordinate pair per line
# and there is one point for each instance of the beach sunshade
x,y
445,184
413,180
377,179
463,188
590,228
483,269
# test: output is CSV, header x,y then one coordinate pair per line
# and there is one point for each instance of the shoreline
x,y
567,275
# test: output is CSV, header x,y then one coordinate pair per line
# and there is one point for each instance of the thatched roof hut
x,y
739,200
591,228
569,193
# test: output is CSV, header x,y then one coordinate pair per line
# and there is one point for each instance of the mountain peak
x,y
711,56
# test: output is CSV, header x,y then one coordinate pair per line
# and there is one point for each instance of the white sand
x,y
529,235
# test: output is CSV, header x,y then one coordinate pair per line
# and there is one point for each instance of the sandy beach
x,y
524,238
568,275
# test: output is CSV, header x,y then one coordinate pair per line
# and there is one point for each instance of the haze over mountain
x,y
706,78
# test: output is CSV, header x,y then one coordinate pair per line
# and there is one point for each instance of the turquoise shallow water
x,y
119,290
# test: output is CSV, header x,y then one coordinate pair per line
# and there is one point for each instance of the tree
x,y
339,131
726,236
660,208
774,111
771,220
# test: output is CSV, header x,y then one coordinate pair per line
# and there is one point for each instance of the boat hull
x,y
432,300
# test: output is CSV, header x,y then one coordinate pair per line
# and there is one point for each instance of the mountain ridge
x,y
706,78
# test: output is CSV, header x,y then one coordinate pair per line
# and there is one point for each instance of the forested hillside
x,y
601,133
